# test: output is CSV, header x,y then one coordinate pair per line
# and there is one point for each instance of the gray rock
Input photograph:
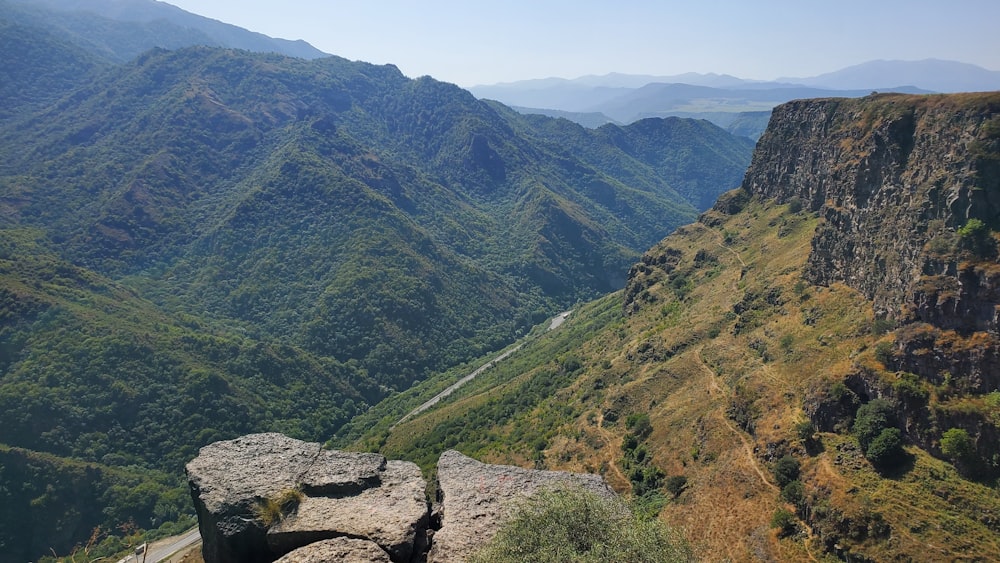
x,y
476,496
338,549
229,480
394,515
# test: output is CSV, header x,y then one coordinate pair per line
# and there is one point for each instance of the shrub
x,y
639,424
786,470
885,353
805,430
957,445
886,450
675,485
575,525
784,521
795,205
975,236
270,511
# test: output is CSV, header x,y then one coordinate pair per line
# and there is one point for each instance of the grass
x,y
680,360
272,510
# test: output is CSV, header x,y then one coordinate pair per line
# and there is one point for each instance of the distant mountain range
x,y
623,98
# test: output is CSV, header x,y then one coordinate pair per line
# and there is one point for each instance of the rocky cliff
x,y
907,189
265,496
894,177
810,371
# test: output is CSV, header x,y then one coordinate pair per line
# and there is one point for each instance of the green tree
x,y
886,450
786,470
871,419
957,445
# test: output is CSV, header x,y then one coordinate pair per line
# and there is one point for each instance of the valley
x,y
778,333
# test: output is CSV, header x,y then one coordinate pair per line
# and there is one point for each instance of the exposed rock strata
x,y
893,177
393,515
476,496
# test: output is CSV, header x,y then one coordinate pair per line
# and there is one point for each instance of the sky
x,y
471,42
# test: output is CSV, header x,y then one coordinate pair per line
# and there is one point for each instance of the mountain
x,y
40,67
204,242
809,371
929,74
120,30
661,100
625,98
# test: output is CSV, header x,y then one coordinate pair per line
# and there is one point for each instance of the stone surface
x,y
229,480
338,549
393,515
476,496
879,167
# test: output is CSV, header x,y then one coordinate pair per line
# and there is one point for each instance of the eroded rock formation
x,y
263,497
354,495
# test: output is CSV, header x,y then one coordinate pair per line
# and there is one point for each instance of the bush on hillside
x,y
786,470
957,445
575,525
886,450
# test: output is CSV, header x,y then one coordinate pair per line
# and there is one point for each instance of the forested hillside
x,y
204,242
808,372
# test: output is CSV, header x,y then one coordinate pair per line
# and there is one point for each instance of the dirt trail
x,y
720,387
608,439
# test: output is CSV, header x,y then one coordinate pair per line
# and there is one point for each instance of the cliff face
x,y
894,177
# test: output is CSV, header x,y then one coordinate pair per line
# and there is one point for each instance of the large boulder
x,y
231,480
394,516
338,549
475,497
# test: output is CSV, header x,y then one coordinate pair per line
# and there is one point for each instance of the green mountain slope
x,y
38,68
808,371
250,186
120,30
202,243
93,372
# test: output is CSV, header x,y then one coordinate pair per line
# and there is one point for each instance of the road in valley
x,y
162,550
555,323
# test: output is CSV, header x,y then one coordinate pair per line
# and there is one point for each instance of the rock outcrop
x,y
476,496
894,177
350,506
338,549
232,480
393,515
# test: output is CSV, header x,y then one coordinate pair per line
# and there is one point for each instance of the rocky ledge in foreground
x,y
266,496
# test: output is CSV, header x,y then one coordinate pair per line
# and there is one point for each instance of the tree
x,y
871,419
786,470
886,450
957,445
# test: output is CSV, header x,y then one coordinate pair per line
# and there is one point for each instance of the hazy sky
x,y
471,42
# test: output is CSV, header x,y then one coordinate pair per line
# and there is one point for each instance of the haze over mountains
x,y
621,98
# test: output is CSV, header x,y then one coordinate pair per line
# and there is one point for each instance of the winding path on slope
x,y
715,384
